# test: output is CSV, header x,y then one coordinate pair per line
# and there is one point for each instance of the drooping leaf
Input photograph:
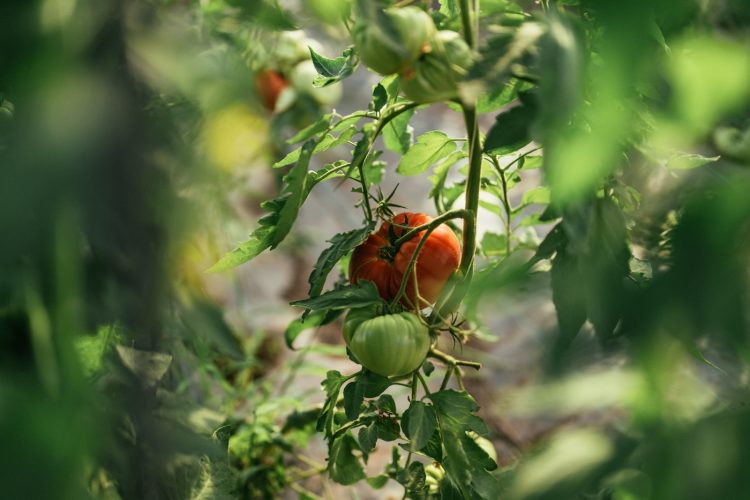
x,y
343,466
341,244
512,129
362,294
283,211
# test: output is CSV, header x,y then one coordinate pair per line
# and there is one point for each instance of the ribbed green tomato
x,y
355,318
397,45
434,474
391,345
436,75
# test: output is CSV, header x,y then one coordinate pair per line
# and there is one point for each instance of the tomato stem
x,y
452,214
450,360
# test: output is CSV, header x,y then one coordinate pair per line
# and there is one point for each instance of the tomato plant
x,y
584,162
385,260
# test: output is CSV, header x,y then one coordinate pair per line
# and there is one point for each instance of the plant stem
x,y
450,360
451,214
447,377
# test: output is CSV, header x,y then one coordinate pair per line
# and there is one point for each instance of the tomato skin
x,y
436,75
355,318
269,84
437,261
391,345
413,29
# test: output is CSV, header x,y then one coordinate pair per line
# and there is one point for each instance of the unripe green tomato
x,y
436,75
391,345
291,48
485,444
434,474
302,77
355,318
394,48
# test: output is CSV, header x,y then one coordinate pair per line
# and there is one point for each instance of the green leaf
x,y
283,211
332,386
299,325
512,129
368,438
343,466
456,416
328,142
419,423
687,161
388,428
539,195
333,70
386,403
364,293
568,297
377,482
321,125
494,244
353,399
341,244
431,147
379,97
373,384
398,134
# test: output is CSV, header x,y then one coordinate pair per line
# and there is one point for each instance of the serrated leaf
x,y
341,244
362,294
283,211
419,423
343,466
430,148
333,70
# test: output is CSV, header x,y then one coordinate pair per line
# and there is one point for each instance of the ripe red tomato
x,y
379,261
269,84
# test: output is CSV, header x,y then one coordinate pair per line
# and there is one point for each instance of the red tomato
x,y
269,84
379,261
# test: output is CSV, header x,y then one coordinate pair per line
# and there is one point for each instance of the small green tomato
x,y
391,345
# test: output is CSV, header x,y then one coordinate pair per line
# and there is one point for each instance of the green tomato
x,y
301,78
355,318
291,48
434,474
436,75
394,46
391,345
